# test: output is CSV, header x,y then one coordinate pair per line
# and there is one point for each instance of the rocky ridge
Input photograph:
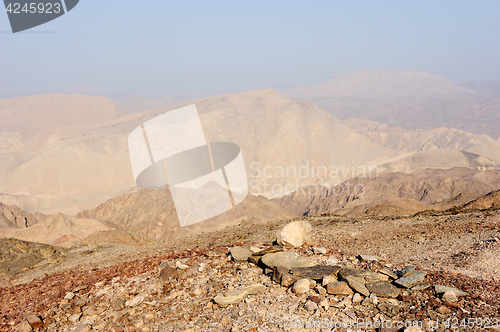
x,y
15,217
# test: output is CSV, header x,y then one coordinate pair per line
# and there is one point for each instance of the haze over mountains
x,y
412,100
55,116
486,87
380,85
134,104
69,153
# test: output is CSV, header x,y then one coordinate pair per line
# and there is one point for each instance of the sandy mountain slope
x,y
491,200
38,117
59,230
14,217
151,213
490,151
412,100
436,159
39,165
397,140
419,190
52,204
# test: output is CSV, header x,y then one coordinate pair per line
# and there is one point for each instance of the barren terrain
x,y
456,249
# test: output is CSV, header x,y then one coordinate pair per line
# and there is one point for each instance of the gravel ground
x,y
460,251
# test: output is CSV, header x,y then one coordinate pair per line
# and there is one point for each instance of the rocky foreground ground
x,y
261,286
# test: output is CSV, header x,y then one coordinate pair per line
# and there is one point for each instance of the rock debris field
x,y
284,285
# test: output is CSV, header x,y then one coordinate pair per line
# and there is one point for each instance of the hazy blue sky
x,y
180,48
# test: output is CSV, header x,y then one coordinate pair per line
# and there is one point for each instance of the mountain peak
x,y
381,84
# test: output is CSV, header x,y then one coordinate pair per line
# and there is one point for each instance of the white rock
x,y
295,234
24,327
83,328
69,296
321,250
75,318
135,301
255,249
328,280
301,286
325,304
312,283
356,298
450,296
368,258
320,290
331,261
181,266
310,306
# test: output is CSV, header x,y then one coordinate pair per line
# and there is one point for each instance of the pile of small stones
x,y
267,287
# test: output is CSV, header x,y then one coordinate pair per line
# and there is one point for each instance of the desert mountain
x,y
436,159
58,230
14,217
380,84
150,213
412,100
491,200
269,128
490,151
40,117
405,193
17,256
397,140
284,142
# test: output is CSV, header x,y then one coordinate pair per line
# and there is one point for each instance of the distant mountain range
x,y
412,100
67,153
416,131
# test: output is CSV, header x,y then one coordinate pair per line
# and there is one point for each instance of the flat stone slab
x,y
240,254
411,278
282,276
383,289
357,284
363,274
316,272
404,271
388,273
420,287
393,309
238,295
290,260
368,258
443,289
338,288
269,250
